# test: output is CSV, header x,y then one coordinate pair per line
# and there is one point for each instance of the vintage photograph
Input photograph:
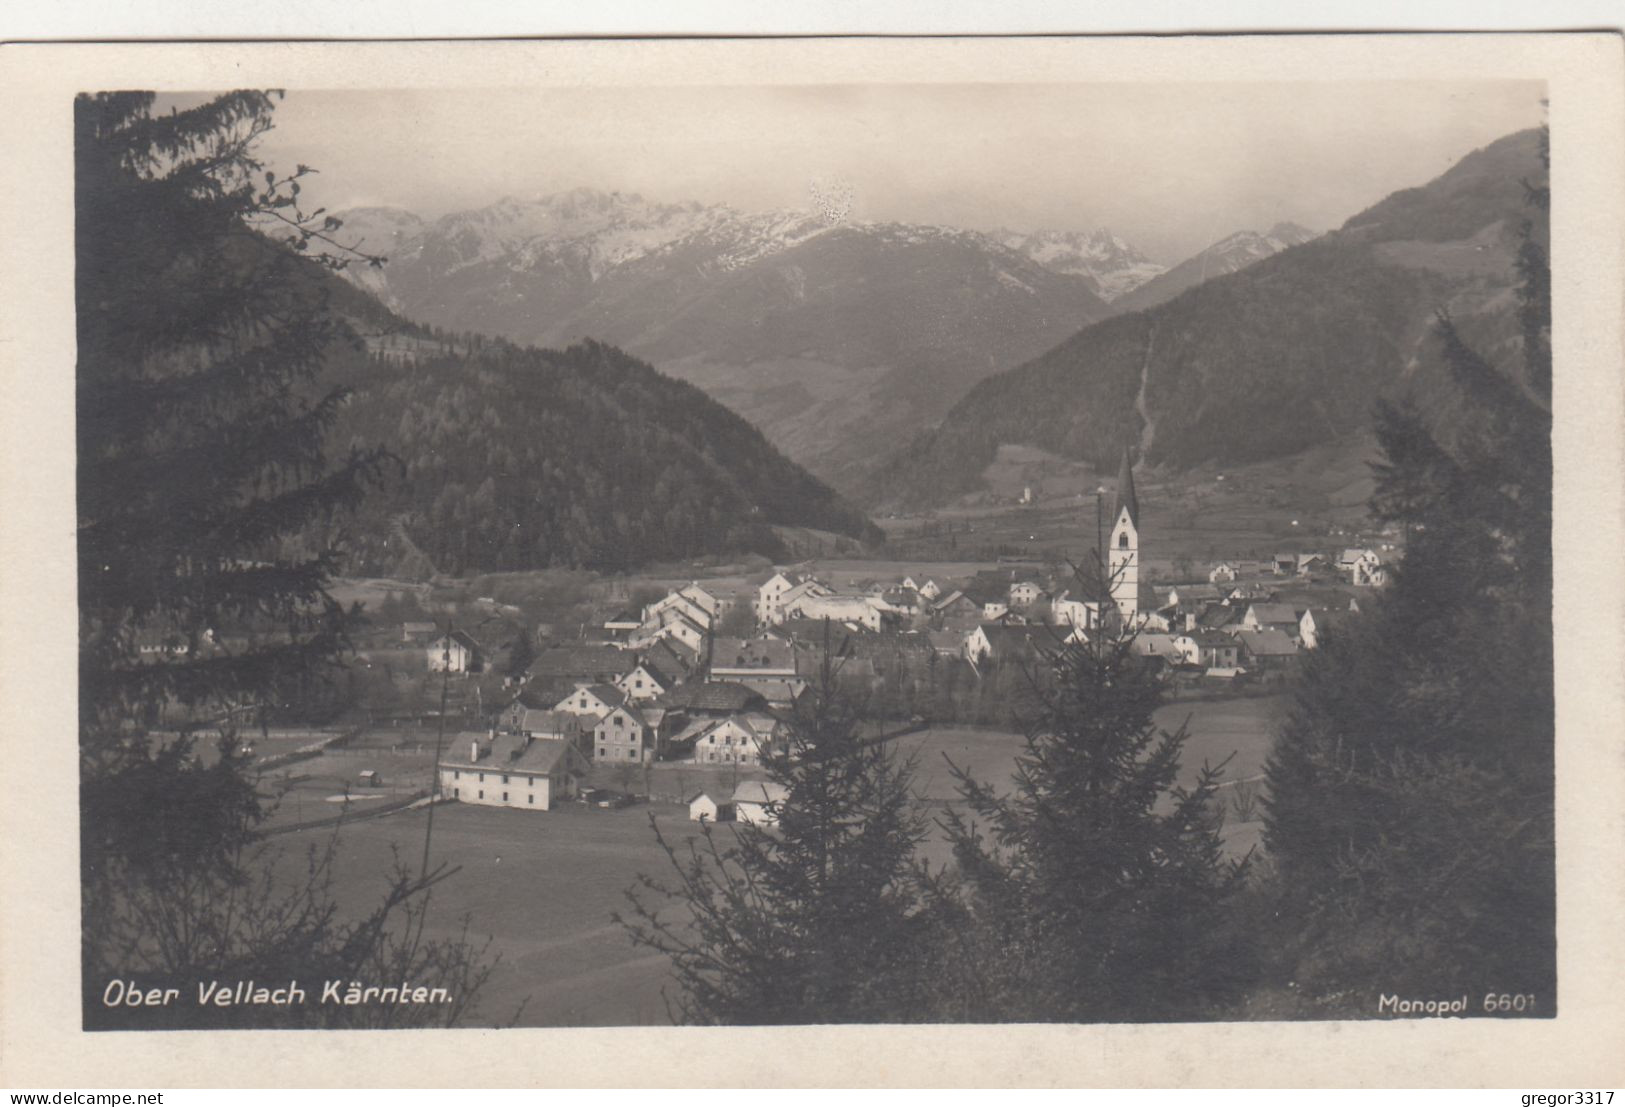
x,y
762,554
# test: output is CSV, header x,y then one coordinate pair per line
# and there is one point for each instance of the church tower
x,y
1124,547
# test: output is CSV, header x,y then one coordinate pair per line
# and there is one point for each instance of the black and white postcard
x,y
994,560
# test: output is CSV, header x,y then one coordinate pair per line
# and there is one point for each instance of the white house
x,y
593,700
1313,626
455,653
780,609
768,595
1369,571
675,626
644,683
702,599
624,735
1271,616
864,611
702,808
929,591
1024,593
738,740
1222,573
1068,612
677,605
511,771
759,802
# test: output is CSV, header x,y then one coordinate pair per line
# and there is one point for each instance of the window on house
x,y
482,780
504,778
601,752
504,797
456,793
530,799
1122,541
482,793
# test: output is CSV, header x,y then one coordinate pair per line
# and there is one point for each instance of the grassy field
x,y
543,887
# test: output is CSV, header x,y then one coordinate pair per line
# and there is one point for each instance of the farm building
x,y
702,808
512,771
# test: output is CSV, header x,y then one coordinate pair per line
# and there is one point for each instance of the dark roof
x,y
752,653
512,753
1274,613
1267,643
1217,615
1125,492
583,661
464,639
721,695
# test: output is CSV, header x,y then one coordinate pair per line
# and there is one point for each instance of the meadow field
x,y
544,887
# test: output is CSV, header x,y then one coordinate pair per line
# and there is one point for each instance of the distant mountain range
x,y
1285,354
1115,267
828,335
1228,255
519,458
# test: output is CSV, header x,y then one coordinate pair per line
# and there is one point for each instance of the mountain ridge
x,y
1283,354
826,332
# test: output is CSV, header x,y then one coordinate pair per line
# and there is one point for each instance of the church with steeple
x,y
1123,548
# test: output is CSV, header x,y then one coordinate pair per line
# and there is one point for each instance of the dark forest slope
x,y
1286,354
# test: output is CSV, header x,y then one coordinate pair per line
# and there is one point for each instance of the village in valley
x,y
1065,699
665,687
551,743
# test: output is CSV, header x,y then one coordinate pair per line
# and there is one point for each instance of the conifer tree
x,y
203,329
816,919
1094,886
1410,810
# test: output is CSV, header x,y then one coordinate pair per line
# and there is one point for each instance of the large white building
x,y
511,770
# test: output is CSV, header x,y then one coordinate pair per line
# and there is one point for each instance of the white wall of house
x,y
493,788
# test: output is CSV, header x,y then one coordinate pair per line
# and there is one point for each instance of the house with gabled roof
x,y
624,735
1271,616
552,725
676,627
646,682
532,774
736,740
1000,644
705,601
1266,650
1222,573
457,652
1315,623
591,700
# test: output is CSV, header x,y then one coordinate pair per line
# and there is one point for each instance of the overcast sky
x,y
1169,167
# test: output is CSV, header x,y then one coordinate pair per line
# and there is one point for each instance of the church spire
x,y
1125,491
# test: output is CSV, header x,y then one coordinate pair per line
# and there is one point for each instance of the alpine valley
x,y
1286,355
829,335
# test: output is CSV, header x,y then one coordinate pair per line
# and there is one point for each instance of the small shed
x,y
702,808
371,778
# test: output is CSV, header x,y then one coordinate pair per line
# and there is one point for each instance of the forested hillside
x,y
515,457
1286,354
